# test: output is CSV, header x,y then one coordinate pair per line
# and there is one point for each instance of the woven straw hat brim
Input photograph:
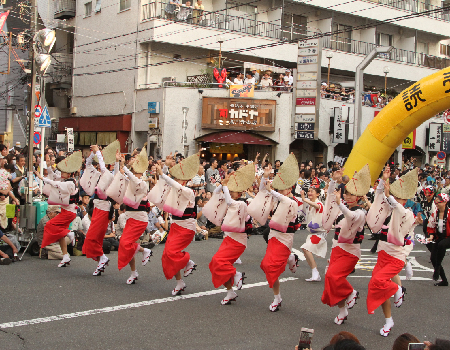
x,y
287,175
140,164
109,152
71,164
242,179
187,168
406,186
359,184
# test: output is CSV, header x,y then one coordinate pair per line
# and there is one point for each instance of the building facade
x,y
130,53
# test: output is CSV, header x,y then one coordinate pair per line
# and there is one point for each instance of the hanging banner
x,y
3,17
70,140
410,141
435,137
340,133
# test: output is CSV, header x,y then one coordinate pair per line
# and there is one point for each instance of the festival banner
x,y
410,141
3,17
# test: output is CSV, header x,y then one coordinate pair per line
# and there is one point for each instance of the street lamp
x,y
329,56
385,71
220,41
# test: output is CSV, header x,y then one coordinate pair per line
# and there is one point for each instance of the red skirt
x,y
275,260
58,227
127,245
173,258
221,265
381,288
337,288
93,243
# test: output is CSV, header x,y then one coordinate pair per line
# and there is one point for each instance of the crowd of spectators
x,y
267,81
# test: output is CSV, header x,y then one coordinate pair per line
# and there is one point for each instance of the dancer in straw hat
x,y
103,205
389,203
65,194
180,202
137,208
282,227
235,226
349,222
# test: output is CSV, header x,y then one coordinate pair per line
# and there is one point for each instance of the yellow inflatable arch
x,y
415,105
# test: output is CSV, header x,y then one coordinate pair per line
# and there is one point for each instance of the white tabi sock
x,y
343,312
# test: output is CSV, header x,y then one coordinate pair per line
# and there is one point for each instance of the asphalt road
x,y
45,307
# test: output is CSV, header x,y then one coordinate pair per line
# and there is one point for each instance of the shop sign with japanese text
x,y
238,114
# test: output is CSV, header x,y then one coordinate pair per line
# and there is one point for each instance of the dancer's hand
x,y
386,173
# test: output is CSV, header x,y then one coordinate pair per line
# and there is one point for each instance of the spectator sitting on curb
x,y
7,250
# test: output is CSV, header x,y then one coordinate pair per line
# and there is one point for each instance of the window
x,y
124,5
87,9
444,49
294,26
384,39
341,38
98,6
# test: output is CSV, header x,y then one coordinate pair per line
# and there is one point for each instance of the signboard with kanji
x,y
238,114
435,137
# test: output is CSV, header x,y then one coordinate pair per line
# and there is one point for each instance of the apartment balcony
x,y
60,71
417,7
65,9
221,20
396,55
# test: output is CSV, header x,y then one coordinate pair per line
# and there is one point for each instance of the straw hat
x,y
359,184
71,164
242,179
187,168
140,164
405,187
109,153
287,175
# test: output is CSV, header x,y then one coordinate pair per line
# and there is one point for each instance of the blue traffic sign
x,y
37,138
441,155
44,119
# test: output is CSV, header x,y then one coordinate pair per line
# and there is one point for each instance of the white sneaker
x,y
180,287
65,261
238,261
190,267
239,279
351,299
146,256
133,278
293,262
231,296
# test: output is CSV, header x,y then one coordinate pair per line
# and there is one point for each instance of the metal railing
x,y
61,68
222,20
396,55
65,5
418,7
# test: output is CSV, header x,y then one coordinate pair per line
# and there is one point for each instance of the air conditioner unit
x,y
73,110
168,79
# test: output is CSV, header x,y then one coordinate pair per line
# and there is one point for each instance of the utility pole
x,y
32,101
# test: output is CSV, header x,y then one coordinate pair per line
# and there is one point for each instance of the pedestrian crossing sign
x,y
44,119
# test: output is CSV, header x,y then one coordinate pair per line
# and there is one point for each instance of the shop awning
x,y
239,137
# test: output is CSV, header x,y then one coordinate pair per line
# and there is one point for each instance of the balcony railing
x,y
417,7
65,9
396,55
61,68
222,20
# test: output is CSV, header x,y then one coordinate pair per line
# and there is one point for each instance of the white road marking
x,y
128,306
403,278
